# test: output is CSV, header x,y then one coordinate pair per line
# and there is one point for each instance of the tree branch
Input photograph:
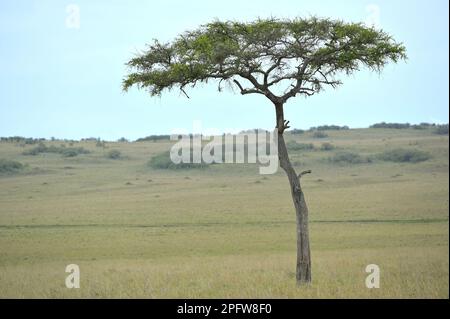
x,y
304,173
246,91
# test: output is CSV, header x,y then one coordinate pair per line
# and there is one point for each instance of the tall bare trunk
x,y
303,273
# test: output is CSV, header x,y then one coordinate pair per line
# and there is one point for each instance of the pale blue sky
x,y
66,82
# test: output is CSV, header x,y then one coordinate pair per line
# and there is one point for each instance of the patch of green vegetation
x,y
349,158
154,138
64,151
163,161
327,146
295,146
401,155
319,134
20,139
329,128
442,129
114,154
10,167
100,143
297,131
391,125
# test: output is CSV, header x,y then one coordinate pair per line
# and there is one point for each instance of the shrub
x,y
403,155
41,148
100,143
327,147
349,158
319,134
163,161
64,151
441,129
69,152
114,154
8,167
294,146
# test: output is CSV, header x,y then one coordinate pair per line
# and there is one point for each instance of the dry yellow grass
x,y
225,231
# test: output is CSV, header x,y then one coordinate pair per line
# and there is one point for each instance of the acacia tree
x,y
279,59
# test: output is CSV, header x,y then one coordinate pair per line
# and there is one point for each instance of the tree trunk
x,y
303,273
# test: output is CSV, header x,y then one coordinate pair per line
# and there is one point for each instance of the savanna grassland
x,y
224,230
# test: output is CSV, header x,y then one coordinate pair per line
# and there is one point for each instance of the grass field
x,y
225,230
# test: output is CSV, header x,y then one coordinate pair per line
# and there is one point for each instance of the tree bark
x,y
303,272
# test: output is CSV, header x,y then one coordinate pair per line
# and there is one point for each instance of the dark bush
x,y
41,148
327,147
401,155
114,154
153,138
100,143
163,161
349,158
10,167
319,134
70,152
64,151
441,129
294,146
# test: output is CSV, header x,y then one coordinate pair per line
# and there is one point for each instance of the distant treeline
x,y
320,128
20,139
153,138
441,129
422,125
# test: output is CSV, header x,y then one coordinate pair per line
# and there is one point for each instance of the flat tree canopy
x,y
277,58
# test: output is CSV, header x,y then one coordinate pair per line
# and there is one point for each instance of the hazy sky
x,y
62,78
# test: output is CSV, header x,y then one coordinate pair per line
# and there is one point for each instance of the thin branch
x,y
304,173
246,91
182,90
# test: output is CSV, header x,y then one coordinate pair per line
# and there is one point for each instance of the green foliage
x,y
41,148
329,128
391,125
153,138
442,129
114,154
297,131
319,134
64,151
327,147
294,146
10,167
401,155
22,140
69,152
163,161
227,51
100,143
349,158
